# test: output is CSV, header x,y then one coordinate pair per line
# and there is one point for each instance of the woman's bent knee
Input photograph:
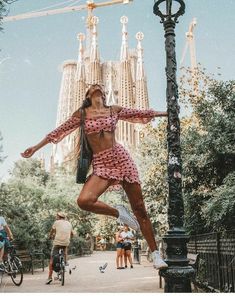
x,y
84,204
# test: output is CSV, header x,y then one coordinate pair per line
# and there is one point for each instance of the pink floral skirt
x,y
115,164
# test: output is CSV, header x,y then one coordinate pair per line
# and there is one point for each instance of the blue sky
x,y
30,79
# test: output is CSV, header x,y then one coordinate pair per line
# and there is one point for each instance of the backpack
x,y
56,263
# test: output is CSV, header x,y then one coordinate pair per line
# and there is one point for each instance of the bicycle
x,y
59,265
12,266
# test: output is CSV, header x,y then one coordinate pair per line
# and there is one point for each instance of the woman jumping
x,y
111,163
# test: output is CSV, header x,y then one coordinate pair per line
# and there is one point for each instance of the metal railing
x,y
216,269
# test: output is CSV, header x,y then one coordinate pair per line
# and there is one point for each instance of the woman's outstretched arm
x,y
31,150
137,115
56,135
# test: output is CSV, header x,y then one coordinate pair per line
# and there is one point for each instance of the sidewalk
x,y
86,277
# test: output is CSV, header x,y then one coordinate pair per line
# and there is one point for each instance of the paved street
x,y
86,277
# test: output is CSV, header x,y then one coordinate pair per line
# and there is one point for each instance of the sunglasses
x,y
96,84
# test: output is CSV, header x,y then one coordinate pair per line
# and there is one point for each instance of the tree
x,y
152,157
1,150
209,157
31,198
220,208
207,142
4,9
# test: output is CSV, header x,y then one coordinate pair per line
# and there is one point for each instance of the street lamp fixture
x,y
178,274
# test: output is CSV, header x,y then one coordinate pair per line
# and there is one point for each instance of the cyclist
x,y
61,232
5,236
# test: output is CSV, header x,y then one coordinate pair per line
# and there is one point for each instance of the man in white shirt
x,y
61,231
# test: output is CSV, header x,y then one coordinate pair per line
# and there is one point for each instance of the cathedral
x,y
124,82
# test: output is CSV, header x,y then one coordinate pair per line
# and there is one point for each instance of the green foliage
x,y
4,8
152,157
207,141
1,150
2,11
30,171
31,198
219,211
209,159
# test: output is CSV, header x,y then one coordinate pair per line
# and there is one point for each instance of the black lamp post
x,y
178,275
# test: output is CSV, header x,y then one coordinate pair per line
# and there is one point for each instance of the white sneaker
x,y
126,218
158,262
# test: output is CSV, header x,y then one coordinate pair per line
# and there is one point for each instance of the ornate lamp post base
x,y
178,280
179,274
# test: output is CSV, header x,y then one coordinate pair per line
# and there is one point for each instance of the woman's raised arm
x,y
137,115
56,135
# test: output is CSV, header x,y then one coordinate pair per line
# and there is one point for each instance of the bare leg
x,y
88,198
128,255
50,269
125,258
119,258
134,193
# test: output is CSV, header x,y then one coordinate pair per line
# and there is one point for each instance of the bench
x,y
29,258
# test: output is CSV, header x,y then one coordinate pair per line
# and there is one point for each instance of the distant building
x,y
124,82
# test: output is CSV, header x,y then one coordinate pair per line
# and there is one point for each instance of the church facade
x,y
124,82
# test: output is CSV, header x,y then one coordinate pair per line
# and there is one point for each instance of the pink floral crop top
x,y
103,123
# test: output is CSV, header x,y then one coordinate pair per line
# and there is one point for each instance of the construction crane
x,y
90,5
190,43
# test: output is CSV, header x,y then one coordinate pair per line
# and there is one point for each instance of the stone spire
x,y
110,98
126,81
80,74
124,48
67,94
66,105
79,93
141,90
94,75
80,78
125,129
